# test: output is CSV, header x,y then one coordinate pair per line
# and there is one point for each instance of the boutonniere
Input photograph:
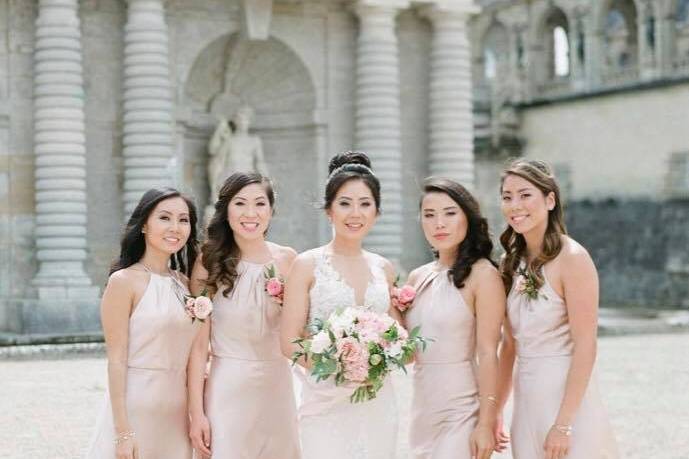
x,y
403,297
526,284
198,307
274,284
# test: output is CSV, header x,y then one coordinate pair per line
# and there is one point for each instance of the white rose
x,y
394,350
320,342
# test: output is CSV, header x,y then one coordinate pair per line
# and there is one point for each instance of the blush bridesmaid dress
x,y
445,404
160,339
544,353
249,399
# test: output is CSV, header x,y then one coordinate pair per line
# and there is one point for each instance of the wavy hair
x,y
477,244
539,174
133,243
220,250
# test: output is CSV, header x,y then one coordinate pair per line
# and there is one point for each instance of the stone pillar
x,y
148,109
451,117
594,58
665,26
60,149
647,39
377,115
576,49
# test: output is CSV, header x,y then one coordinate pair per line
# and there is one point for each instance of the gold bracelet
x,y
565,429
124,436
490,398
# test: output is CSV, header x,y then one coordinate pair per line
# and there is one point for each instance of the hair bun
x,y
349,157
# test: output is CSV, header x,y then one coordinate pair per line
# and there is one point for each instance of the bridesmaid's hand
x,y
502,438
127,450
200,434
556,444
482,442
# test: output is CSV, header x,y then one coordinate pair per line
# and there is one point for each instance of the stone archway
x,y
270,77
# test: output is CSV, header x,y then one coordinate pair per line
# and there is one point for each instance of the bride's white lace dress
x,y
331,427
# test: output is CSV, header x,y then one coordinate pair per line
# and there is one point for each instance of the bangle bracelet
x,y
565,429
124,436
490,398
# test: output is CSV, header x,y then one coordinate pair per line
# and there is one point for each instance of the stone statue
x,y
233,149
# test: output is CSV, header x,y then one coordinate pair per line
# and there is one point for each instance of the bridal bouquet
x,y
360,347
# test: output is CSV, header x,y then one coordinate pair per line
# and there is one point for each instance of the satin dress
x,y
249,399
160,340
445,404
544,353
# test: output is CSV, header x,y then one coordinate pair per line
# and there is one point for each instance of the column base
x,y
58,316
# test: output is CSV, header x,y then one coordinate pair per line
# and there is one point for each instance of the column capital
x,y
450,9
364,8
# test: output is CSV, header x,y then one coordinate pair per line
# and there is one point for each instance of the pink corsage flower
x,y
402,298
274,284
198,307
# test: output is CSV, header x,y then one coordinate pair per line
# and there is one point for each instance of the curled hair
x,y
352,165
477,244
133,243
539,174
220,251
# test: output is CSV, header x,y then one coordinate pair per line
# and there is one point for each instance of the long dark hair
x,y
133,243
220,251
351,165
477,244
538,173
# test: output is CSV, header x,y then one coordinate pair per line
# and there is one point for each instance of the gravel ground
x,y
48,407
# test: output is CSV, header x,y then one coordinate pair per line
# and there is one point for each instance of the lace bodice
x,y
331,292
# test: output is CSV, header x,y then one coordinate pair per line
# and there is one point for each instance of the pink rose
x,y
203,307
354,359
521,284
274,286
407,294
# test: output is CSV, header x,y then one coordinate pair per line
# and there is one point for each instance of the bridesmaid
x,y
148,335
248,408
552,309
460,304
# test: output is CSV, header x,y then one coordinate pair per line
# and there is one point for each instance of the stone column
x,y
646,28
594,58
377,115
60,163
148,109
451,116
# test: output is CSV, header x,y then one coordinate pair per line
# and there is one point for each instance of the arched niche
x,y
619,24
554,35
493,61
271,78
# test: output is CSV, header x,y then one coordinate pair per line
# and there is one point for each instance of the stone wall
x,y
319,39
641,249
616,145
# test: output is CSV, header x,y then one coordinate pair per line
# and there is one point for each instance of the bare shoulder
x,y
417,272
383,262
573,253
125,278
483,271
305,261
125,283
282,253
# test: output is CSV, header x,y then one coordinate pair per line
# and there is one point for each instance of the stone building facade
x,y
600,89
102,99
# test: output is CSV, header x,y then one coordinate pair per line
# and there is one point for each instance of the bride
x,y
335,276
